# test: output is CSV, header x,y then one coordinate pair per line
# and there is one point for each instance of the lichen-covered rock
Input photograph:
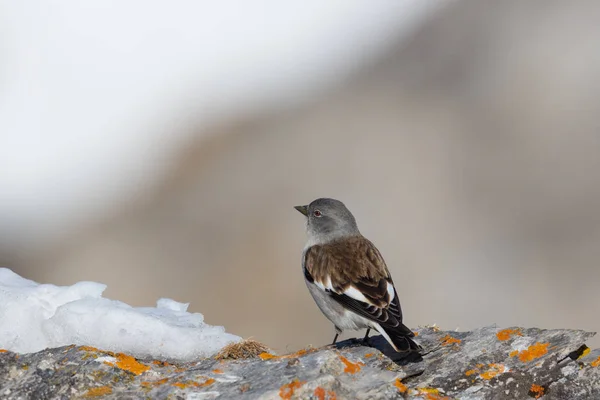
x,y
487,363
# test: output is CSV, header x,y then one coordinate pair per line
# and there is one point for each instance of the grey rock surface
x,y
487,363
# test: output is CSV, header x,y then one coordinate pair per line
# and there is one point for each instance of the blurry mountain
x,y
470,155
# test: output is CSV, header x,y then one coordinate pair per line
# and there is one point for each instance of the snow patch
x,y
37,316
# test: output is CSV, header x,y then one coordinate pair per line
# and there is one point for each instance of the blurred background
x,y
159,148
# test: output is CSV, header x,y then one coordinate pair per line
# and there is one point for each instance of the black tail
x,y
402,339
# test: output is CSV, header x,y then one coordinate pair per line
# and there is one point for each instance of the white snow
x,y
36,316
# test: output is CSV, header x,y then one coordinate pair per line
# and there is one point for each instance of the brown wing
x,y
353,272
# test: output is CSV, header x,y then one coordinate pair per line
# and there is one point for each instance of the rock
x,y
486,363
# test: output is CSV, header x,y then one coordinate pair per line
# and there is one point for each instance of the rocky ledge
x,y
487,363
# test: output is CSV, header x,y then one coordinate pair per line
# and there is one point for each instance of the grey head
x,y
328,220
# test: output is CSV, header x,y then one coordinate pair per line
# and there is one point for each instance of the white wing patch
x,y
391,291
356,294
324,285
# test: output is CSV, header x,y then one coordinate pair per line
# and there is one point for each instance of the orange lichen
x,y
183,385
299,353
537,391
401,386
88,348
161,363
513,353
189,384
596,362
434,396
98,391
208,382
217,371
448,340
470,372
287,391
154,383
319,393
495,369
534,351
480,365
369,355
431,394
269,356
3,351
322,394
351,367
506,334
128,363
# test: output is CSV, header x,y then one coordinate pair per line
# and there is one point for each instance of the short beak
x,y
303,210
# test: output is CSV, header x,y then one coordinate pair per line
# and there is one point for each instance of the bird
x,y
348,278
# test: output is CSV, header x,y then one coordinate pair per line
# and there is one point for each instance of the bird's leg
x,y
335,338
337,333
366,338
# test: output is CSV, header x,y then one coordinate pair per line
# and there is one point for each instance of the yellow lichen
x,y
98,391
534,351
513,353
506,334
470,372
287,391
351,367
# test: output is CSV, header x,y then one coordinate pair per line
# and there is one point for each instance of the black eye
x,y
317,213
